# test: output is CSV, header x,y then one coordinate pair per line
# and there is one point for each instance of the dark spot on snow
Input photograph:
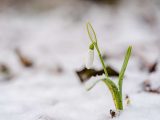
x,y
127,99
109,2
105,57
150,67
5,72
45,117
112,113
85,73
4,69
25,61
153,67
147,87
58,69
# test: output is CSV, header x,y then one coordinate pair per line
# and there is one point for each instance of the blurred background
x,y
43,44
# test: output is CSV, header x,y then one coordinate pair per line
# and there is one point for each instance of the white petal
x,y
90,59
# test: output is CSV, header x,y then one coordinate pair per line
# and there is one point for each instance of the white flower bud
x,y
90,58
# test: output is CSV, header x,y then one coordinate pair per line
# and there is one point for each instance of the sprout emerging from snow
x,y
116,90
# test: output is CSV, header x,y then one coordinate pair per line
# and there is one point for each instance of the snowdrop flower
x,y
90,57
116,90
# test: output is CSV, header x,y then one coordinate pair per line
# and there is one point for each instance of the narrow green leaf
x,y
123,69
115,93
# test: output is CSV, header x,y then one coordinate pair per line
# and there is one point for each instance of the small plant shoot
x,y
116,90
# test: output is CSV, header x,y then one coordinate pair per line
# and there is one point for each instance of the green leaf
x,y
115,93
123,69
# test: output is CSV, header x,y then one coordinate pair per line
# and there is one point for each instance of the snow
x,y
58,38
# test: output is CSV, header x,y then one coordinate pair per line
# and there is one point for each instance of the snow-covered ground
x,y
58,38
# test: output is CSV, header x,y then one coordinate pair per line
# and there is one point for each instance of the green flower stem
x,y
101,59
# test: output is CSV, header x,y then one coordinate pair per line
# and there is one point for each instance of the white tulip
x,y
90,58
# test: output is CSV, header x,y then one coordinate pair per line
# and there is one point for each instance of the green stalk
x,y
101,59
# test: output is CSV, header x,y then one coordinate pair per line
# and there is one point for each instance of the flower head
x,y
90,57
